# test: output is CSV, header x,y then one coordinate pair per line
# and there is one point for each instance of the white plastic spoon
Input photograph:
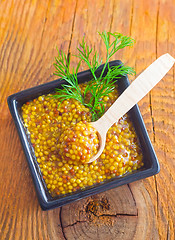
x,y
132,95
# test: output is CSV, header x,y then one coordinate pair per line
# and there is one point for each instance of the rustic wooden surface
x,y
30,30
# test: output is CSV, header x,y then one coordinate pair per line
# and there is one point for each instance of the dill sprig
x,y
119,41
84,55
102,87
99,86
72,89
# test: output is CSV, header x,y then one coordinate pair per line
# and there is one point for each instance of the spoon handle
x,y
137,90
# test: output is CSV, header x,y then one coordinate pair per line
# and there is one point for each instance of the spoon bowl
x,y
131,96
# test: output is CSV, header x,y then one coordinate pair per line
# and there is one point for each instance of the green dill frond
x,y
99,86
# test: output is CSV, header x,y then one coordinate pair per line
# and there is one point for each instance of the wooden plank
x,y
161,27
164,115
29,34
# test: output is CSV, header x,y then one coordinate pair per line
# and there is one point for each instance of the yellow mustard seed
x,y
112,168
40,98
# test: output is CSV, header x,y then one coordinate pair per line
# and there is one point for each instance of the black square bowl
x,y
151,165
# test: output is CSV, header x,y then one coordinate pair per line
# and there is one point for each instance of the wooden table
x,y
30,30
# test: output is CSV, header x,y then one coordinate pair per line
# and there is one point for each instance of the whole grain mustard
x,y
63,143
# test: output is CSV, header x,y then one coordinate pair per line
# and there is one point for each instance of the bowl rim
x,y
45,201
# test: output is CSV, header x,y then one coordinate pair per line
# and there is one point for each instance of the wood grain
x,y
30,30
